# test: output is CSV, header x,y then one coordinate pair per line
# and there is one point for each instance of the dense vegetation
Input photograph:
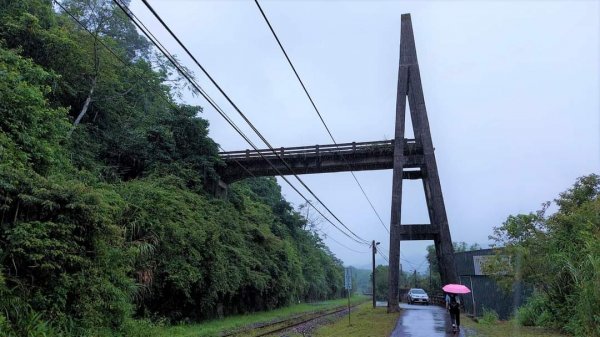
x,y
105,221
559,255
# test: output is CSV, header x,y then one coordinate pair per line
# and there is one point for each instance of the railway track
x,y
268,329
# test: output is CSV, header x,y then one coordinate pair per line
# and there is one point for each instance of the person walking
x,y
453,305
453,302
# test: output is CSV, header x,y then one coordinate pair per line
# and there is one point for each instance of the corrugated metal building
x,y
485,292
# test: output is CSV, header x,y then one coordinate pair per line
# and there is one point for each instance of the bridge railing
x,y
329,149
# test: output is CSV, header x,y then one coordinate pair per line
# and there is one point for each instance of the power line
x,y
380,252
188,77
383,256
324,234
419,267
243,115
341,244
317,111
197,87
401,257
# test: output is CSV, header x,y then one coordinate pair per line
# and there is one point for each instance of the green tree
x,y
30,129
558,255
381,282
104,212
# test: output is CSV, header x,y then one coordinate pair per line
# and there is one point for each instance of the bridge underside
x,y
320,159
419,232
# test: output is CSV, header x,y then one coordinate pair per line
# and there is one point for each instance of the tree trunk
x,y
88,100
86,105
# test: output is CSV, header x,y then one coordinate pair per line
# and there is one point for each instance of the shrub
x,y
527,315
489,316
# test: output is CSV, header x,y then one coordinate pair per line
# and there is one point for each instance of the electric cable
x,y
201,92
318,112
165,26
341,244
384,257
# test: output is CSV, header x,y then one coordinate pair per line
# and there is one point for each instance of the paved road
x,y
424,321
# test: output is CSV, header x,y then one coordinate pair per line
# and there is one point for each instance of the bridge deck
x,y
378,155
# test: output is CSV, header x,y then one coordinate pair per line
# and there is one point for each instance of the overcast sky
x,y
511,88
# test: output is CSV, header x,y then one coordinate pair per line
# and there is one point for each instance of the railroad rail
x,y
274,327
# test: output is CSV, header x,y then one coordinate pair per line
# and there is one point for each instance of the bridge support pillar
x,y
217,187
409,86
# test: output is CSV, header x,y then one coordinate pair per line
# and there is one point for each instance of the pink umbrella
x,y
456,289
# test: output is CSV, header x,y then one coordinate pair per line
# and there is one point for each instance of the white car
x,y
417,295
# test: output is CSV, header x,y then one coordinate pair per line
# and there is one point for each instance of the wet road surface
x,y
424,321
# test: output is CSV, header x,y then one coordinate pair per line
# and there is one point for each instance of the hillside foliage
x,y
559,255
105,218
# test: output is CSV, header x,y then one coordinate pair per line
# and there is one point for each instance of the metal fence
x,y
486,294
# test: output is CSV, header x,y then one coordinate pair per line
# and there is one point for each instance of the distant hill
x,y
361,279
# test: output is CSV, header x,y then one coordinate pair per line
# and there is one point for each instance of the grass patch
x,y
489,328
366,322
215,327
489,317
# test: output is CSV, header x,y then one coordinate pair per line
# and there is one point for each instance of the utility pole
x,y
374,250
401,276
430,284
415,277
